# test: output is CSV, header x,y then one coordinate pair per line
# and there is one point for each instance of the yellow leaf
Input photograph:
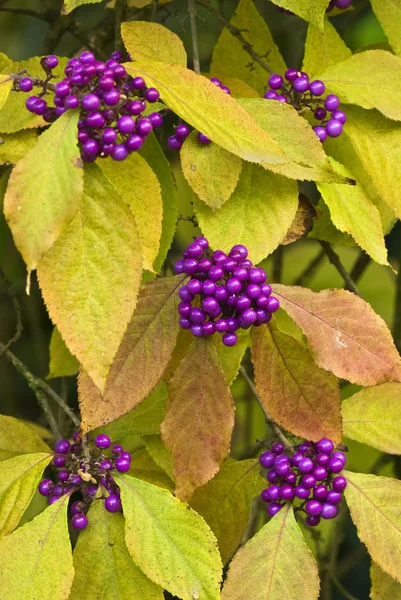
x,y
372,416
84,276
275,564
70,5
384,587
152,41
323,49
17,437
375,506
389,14
15,145
230,358
62,362
211,171
44,190
6,83
145,468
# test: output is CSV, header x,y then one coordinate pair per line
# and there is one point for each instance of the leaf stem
x,y
194,34
336,262
276,429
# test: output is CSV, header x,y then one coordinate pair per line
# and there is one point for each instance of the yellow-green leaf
x,y
103,544
262,201
152,41
44,190
18,438
375,506
6,83
199,418
84,276
142,357
323,49
15,145
383,587
275,564
70,5
36,559
296,137
137,184
62,362
225,502
208,109
230,358
4,61
312,11
356,81
389,14
295,392
169,541
144,467
238,88
159,453
230,59
372,416
211,171
353,212
19,478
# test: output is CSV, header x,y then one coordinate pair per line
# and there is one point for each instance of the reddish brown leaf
x,y
199,419
294,390
142,357
346,336
302,222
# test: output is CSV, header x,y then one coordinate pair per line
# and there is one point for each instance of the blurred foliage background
x,y
34,27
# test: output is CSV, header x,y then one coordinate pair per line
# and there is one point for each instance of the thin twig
x,y
26,12
44,405
237,33
194,34
310,269
341,588
277,431
360,265
17,309
397,319
336,262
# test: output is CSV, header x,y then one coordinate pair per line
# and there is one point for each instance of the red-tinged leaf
x,y
141,359
346,336
294,390
199,419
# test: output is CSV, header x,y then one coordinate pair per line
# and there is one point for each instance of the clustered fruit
x,y
224,294
110,101
303,94
341,4
77,475
311,474
182,131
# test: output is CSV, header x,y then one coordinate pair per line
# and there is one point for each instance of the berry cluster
x,y
304,94
182,131
111,104
341,4
224,294
311,475
76,474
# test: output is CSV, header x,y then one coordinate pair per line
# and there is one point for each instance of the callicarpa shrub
x,y
200,291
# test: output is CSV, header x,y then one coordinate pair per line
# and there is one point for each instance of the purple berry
x,y
203,139
122,464
79,521
291,74
138,83
111,97
272,304
305,465
197,330
229,339
321,132
61,89
334,128
208,328
46,487
313,508
308,481
325,446
270,95
334,497
332,102
63,475
339,483
106,465
329,511
339,115
221,326
317,87
191,266
120,152
287,492
323,459
215,81
197,315
185,323
25,84
77,508
126,124
301,84
335,465
90,102
211,306
266,289
174,142
179,267
109,135
134,142
275,82
52,499
320,492
274,508
281,98
112,503
59,461
302,492
194,286
95,120
87,57
342,4
283,468
194,250
182,131
106,83
320,473
152,95
243,303
62,446
320,113
266,459
312,521
102,441
273,493
144,126
156,119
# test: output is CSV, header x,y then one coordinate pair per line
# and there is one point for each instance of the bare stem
x,y
336,262
276,429
44,405
194,34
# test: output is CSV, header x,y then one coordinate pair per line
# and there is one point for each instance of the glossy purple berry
x,y
308,481
52,499
329,511
62,446
95,120
156,119
185,323
126,124
334,128
287,492
313,508
102,441
332,102
305,465
291,74
335,465
194,286
320,113
339,483
342,4
275,82
174,142
243,303
253,291
122,464
334,497
190,266
106,465
134,142
79,521
301,84
302,492
46,487
179,267
50,61
90,102
109,135
323,459
312,521
25,84
216,273
182,131
87,57
63,475
317,87
144,126
77,508
229,339
221,326
291,478
325,445
266,459
211,306
320,473
152,95
194,250
208,328
59,461
120,152
320,492
274,508
61,89
339,115
197,330
203,139
111,97
272,304
270,95
321,133
197,315
282,468
112,503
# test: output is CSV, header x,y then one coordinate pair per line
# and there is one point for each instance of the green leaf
x,y
36,559
389,14
297,394
156,159
83,277
199,418
323,49
4,61
159,453
356,81
275,564
137,184
230,59
18,438
62,362
261,200
15,145
19,478
225,502
372,417
208,109
6,83
44,190
152,41
331,321
145,468
383,587
375,506
169,541
211,171
312,11
323,228
70,5
296,137
231,358
353,212
142,357
377,142
102,562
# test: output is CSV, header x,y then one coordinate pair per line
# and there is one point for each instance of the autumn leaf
x,y
152,41
383,587
323,49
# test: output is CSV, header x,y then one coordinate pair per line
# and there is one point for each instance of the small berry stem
x,y
194,34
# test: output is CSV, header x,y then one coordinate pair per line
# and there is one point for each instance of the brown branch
x,y
336,262
194,34
310,269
